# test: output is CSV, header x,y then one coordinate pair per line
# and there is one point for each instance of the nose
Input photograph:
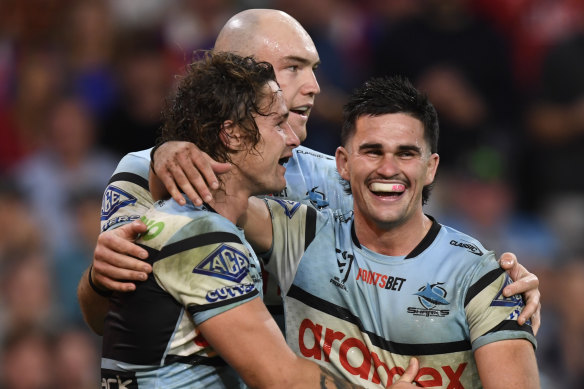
x,y
311,86
388,166
292,139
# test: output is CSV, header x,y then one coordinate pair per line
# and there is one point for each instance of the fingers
x,y
114,259
411,371
508,261
183,168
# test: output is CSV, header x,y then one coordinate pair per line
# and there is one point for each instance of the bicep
x,y
507,364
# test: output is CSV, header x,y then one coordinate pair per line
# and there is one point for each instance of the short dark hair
x,y
387,95
219,86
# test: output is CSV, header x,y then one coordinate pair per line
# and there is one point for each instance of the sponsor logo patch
x,y
352,356
118,220
470,247
381,280
111,379
430,296
290,207
113,199
229,292
225,262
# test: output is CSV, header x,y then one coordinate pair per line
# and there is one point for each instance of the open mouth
x,y
282,161
302,111
387,189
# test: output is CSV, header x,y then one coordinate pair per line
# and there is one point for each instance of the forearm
x,y
93,306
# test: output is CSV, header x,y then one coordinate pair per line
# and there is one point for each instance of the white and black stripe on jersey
x,y
127,196
363,315
202,266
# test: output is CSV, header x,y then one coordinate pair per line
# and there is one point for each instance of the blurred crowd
x,y
82,82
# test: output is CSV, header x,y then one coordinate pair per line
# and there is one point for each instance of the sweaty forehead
x,y
390,130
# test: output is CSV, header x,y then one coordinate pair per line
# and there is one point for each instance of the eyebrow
x,y
302,60
377,146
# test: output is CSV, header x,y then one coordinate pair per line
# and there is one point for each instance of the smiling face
x,y
388,162
262,168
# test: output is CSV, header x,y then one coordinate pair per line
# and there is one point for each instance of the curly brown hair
x,y
218,87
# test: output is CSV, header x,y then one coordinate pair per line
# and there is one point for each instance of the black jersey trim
x,y
130,177
201,308
394,347
481,284
419,249
428,239
511,325
310,230
192,243
194,360
354,235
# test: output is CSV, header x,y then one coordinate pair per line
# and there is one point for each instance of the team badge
x,y
225,262
113,199
317,199
430,297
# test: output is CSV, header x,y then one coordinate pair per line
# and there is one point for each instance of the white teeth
x,y
302,109
382,187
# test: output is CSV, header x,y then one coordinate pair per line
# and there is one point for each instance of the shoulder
x,y
137,163
304,154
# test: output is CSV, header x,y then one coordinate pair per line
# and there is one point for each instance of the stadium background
x,y
82,83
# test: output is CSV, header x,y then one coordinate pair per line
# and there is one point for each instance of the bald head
x,y
249,31
276,37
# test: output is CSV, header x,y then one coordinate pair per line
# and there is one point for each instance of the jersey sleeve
x,y
491,316
294,227
208,273
127,196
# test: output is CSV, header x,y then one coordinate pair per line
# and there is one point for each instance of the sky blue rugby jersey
x,y
363,314
202,267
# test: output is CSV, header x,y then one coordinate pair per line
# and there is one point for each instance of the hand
x,y
526,283
407,379
115,256
182,165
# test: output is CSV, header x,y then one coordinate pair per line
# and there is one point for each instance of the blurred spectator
x,y
463,65
26,360
531,27
19,231
76,360
23,120
144,75
555,139
68,162
478,198
88,35
28,293
71,261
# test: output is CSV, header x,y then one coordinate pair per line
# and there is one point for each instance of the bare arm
x,y
525,283
258,352
114,259
508,364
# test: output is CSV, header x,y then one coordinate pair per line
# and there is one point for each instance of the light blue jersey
x,y
311,178
363,315
202,267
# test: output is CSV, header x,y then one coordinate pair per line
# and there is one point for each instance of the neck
x,y
392,239
230,201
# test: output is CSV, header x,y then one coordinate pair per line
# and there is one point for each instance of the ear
x,y
433,162
231,135
342,158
